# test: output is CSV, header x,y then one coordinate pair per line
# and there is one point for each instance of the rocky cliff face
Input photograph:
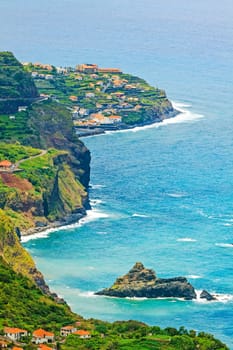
x,y
16,256
141,282
52,126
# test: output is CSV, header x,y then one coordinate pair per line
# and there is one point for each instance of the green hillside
x,y
16,86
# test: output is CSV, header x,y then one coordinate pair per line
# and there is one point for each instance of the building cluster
x,y
102,99
93,68
43,339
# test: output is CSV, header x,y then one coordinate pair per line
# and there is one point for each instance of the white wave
x,y
193,276
136,215
181,105
219,297
102,233
96,187
136,298
87,294
92,215
227,224
177,194
224,245
185,116
186,239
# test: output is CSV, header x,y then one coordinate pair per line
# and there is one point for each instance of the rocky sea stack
x,y
142,283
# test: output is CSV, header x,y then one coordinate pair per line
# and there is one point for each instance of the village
x,y
16,338
97,98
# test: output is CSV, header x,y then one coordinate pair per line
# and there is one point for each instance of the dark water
x,y
162,195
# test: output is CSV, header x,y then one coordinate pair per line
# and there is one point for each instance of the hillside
x,y
16,86
44,178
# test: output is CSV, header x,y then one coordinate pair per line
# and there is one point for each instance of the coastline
x,y
81,132
74,218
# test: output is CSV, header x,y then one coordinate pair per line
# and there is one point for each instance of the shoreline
x,y
66,221
74,218
86,132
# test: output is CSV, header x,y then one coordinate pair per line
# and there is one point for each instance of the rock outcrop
x,y
206,295
142,283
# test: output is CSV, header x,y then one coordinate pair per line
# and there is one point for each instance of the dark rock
x,y
143,283
40,224
206,295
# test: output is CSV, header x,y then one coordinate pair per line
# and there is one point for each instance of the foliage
x,y
127,335
15,152
15,83
23,305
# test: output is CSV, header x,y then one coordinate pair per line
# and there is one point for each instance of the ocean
x,y
163,194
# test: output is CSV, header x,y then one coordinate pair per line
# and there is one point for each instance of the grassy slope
x,y
23,305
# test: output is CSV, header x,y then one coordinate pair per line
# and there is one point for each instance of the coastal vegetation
x,y
44,178
89,91
16,85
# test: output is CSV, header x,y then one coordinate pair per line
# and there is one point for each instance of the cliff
x,y
143,283
48,185
16,86
15,256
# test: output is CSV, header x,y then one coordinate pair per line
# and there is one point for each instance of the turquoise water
x,y
161,195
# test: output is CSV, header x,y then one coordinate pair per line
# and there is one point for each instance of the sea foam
x,y
185,116
224,245
186,239
92,215
222,298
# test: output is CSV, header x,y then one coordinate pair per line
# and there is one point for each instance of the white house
x,y
41,336
83,334
15,333
64,331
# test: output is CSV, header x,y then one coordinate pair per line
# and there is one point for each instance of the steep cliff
x,y
15,256
52,126
43,189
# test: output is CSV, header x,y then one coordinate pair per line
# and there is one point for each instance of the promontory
x,y
141,282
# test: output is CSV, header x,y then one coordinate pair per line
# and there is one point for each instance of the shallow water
x,y
163,194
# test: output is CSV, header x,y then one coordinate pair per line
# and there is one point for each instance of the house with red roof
x,y
64,331
83,334
40,336
44,347
15,333
5,165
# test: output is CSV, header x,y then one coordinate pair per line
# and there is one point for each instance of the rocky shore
x,y
92,131
141,282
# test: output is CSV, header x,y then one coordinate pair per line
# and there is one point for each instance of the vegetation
x,y
128,96
24,305
128,335
16,86
16,152
51,184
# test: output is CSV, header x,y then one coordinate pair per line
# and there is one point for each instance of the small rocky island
x,y
141,282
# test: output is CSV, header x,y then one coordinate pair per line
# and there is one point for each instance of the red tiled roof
x,y
42,333
82,332
14,330
44,347
68,327
5,163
